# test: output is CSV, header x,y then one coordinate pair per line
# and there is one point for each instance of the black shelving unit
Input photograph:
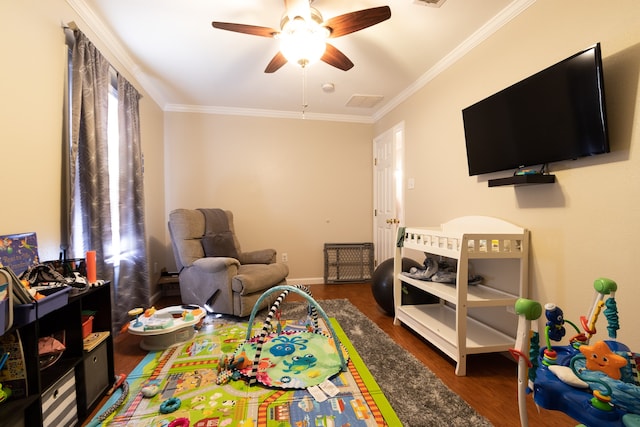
x,y
72,366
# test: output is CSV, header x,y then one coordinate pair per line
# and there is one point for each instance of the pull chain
x,y
304,90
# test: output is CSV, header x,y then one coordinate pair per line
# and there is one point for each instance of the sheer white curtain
x,y
120,259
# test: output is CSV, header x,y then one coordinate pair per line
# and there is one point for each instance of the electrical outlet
x,y
285,257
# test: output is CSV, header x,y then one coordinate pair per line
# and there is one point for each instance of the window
x,y
114,173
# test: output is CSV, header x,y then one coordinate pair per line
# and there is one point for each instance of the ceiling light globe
x,y
303,43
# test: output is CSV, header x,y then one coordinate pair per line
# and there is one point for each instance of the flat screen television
x,y
556,114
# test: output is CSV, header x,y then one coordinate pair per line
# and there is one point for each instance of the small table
x,y
167,326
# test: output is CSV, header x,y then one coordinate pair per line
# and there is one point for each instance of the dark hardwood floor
x,y
490,385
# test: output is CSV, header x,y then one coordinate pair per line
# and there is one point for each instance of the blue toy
x,y
595,383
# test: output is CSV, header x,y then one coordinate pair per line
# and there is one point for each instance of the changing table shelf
x,y
451,323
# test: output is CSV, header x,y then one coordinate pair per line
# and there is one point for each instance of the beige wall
x,y
295,184
31,87
586,224
292,185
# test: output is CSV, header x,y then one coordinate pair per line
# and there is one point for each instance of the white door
x,y
388,195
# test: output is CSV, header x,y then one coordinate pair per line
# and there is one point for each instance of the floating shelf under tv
x,y
529,179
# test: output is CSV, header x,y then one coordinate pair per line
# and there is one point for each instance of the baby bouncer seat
x,y
595,382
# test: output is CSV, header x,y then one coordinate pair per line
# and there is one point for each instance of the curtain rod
x,y
69,28
71,25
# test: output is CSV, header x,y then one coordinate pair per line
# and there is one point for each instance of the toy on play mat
x,y
293,357
597,383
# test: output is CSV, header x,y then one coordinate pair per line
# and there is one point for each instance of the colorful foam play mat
x,y
190,384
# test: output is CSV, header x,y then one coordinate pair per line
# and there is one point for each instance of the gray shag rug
x,y
418,397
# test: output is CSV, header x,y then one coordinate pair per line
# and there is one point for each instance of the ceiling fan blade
x,y
334,57
245,29
356,21
276,62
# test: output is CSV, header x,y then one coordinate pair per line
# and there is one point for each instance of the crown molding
x,y
115,47
232,111
505,16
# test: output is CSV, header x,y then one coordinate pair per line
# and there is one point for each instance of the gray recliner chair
x,y
212,268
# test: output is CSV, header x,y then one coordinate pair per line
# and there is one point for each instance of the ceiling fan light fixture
x,y
304,33
303,42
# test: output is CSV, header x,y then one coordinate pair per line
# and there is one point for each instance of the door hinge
x,y
375,161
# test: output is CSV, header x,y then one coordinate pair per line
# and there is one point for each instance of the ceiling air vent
x,y
364,101
430,3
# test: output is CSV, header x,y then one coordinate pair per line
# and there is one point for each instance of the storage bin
x,y
96,369
87,326
55,298
23,314
59,406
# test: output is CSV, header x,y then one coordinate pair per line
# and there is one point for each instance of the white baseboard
x,y
305,281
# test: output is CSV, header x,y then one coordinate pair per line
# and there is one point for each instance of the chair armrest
x,y
215,264
200,281
263,256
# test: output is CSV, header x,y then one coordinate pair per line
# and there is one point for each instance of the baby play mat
x,y
188,373
292,359
298,357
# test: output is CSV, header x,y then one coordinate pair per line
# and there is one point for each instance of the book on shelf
x,y
14,373
94,339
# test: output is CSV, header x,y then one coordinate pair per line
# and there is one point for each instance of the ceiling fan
x,y
303,33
